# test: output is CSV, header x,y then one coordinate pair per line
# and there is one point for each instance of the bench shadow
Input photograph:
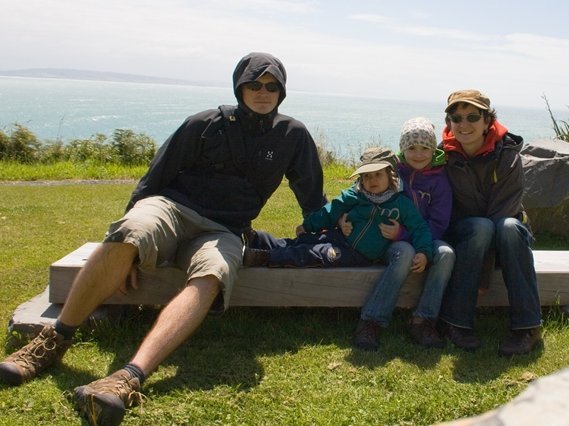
x,y
226,349
223,351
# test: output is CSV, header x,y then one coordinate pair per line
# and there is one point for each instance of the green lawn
x,y
251,366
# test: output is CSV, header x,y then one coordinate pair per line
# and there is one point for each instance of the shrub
x,y
92,149
21,146
561,130
132,149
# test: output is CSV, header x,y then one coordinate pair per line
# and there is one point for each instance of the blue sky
x,y
515,51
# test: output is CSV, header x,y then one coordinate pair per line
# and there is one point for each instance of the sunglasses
x,y
255,86
471,118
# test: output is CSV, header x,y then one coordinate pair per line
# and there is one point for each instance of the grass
x,y
252,366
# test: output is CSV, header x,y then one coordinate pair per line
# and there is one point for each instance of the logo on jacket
x,y
269,155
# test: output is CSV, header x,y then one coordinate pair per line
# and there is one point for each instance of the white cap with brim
x,y
368,168
375,159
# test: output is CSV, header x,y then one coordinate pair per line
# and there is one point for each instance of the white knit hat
x,y
418,131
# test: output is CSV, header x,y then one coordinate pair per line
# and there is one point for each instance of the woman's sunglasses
x,y
255,86
471,118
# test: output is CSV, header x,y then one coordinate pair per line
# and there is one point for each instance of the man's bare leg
x,y
177,321
104,272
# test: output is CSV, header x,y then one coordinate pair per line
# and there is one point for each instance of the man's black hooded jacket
x,y
195,165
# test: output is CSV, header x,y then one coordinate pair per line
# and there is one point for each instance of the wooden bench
x,y
316,287
310,287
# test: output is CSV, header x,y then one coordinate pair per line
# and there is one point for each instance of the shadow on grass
x,y
225,350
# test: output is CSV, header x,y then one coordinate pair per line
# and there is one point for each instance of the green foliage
x,y
123,147
560,127
131,148
22,145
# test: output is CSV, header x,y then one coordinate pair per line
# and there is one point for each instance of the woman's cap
x,y
374,159
469,96
418,131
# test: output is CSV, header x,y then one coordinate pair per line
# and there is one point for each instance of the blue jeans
x,y
380,304
438,275
472,238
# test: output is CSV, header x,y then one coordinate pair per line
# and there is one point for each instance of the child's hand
x,y
300,230
391,232
419,263
345,226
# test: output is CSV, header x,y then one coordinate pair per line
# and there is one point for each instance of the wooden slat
x,y
329,287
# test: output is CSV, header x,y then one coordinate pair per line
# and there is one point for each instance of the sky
x,y
513,51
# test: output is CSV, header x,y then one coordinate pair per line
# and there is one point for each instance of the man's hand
x,y
419,263
131,281
300,230
391,232
345,226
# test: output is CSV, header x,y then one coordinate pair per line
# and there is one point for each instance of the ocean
x,y
59,109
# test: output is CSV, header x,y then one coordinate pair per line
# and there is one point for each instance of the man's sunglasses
x,y
255,86
471,118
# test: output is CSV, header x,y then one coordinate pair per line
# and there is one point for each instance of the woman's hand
x,y
300,230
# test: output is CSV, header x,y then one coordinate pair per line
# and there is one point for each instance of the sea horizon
x,y
63,109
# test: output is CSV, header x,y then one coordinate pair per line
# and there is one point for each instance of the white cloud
x,y
362,53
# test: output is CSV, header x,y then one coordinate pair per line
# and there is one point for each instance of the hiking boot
x,y
366,336
255,257
44,350
463,338
424,333
104,401
521,342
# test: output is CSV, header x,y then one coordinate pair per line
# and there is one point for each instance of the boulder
x,y
546,195
544,402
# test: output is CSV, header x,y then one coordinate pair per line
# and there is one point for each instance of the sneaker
x,y
521,342
255,257
463,338
424,333
44,350
366,336
104,401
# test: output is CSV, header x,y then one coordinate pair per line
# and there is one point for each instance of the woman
x,y
485,171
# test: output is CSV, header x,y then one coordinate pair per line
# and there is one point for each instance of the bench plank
x,y
307,287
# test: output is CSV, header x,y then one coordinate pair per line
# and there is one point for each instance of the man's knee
x,y
207,287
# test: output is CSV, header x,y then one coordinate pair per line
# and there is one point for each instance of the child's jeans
x,y
380,304
438,275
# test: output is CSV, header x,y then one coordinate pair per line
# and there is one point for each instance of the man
x,y
206,184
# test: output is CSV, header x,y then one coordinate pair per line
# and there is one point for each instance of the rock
x,y
544,402
546,195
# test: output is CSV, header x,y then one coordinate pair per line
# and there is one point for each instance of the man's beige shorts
x,y
166,232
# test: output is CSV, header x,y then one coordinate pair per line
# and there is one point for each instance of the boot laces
x,y
39,352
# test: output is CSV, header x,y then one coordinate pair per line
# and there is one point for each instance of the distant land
x,y
73,74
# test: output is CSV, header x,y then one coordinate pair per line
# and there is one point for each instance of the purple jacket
x,y
431,193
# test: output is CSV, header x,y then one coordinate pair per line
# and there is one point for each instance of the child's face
x,y
376,182
418,156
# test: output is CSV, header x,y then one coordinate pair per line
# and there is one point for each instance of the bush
x,y
92,149
124,148
21,146
132,149
561,130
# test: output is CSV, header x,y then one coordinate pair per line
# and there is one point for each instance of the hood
x,y
496,132
253,66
